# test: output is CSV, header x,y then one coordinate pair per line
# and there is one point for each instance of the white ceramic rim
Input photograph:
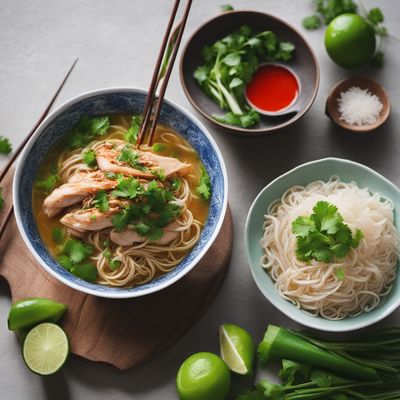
x,y
316,325
16,180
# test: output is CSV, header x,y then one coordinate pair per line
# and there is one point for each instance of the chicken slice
x,y
107,155
92,219
128,237
78,187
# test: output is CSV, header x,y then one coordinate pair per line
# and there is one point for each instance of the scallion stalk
x,y
280,343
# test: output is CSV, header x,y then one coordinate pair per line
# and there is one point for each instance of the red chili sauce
x,y
272,88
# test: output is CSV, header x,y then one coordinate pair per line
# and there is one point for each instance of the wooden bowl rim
x,y
238,129
329,105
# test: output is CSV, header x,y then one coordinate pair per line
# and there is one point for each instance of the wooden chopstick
x,y
168,73
154,80
157,77
25,141
40,120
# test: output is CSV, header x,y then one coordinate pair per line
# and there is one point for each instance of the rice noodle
x,y
369,270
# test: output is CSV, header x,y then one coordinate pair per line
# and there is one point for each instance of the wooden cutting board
x,y
128,332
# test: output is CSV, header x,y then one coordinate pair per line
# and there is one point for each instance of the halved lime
x,y
203,376
45,348
237,348
28,312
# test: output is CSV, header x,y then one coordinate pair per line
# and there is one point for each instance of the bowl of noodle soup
x,y
107,218
346,293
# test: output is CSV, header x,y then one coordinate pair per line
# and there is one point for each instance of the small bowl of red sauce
x,y
273,90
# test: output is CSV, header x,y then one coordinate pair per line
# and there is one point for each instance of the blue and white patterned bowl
x,y
111,101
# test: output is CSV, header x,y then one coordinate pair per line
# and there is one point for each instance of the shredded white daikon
x,y
359,106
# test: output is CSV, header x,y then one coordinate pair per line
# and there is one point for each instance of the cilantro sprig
x,y
101,202
204,186
132,132
151,211
130,156
86,130
89,158
47,183
73,257
5,145
323,236
229,65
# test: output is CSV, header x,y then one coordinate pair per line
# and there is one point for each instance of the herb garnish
x,y
327,10
86,130
128,187
48,183
323,236
131,157
227,7
100,201
230,64
158,147
89,158
58,235
132,132
73,253
5,145
204,186
152,210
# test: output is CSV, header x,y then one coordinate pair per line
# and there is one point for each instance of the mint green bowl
x,y
302,175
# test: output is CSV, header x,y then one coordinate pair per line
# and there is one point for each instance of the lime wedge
x,y
28,312
45,348
237,348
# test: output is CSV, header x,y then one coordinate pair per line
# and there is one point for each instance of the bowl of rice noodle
x,y
110,218
338,291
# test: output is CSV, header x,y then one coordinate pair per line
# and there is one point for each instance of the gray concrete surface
x,y
117,43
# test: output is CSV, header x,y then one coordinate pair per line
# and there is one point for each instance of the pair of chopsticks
x,y
25,141
162,72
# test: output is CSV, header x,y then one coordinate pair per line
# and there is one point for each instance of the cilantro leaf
x,y
86,130
204,186
311,22
89,158
131,157
48,183
375,16
122,219
132,132
65,262
5,145
158,147
58,235
86,271
142,229
339,273
323,236
114,264
302,226
1,198
227,7
100,201
175,184
127,188
76,250
357,238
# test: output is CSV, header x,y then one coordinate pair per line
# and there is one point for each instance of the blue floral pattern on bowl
x,y
106,102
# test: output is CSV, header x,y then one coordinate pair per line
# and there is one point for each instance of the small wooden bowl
x,y
363,82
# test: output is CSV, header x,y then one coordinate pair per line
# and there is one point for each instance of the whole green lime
x,y
203,376
350,41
